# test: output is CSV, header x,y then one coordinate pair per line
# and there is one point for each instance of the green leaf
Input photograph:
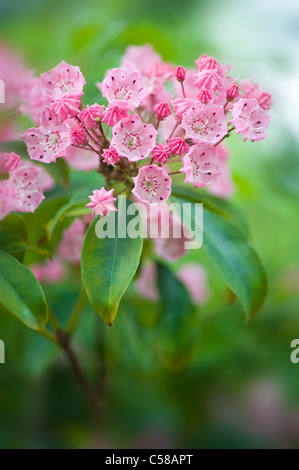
x,y
109,264
21,294
59,171
233,258
14,235
214,204
177,332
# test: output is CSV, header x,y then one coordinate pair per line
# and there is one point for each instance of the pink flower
x,y
205,123
162,110
205,62
79,136
205,95
67,106
7,198
152,184
71,245
193,277
48,141
200,165
112,115
91,115
250,120
178,146
20,192
81,159
147,282
264,100
161,153
251,90
33,100
64,79
28,193
209,79
9,162
170,242
180,73
124,89
133,139
102,202
110,156
233,92
51,271
223,186
139,58
180,106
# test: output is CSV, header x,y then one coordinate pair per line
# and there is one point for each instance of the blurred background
x,y
238,388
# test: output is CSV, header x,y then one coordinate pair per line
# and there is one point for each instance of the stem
x,y
75,315
225,136
173,131
63,340
125,189
183,90
174,173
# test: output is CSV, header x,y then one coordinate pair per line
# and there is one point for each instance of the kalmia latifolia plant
x,y
157,136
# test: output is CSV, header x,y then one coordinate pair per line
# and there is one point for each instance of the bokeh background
x,y
239,389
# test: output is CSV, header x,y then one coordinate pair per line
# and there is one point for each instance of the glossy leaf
x,y
177,331
21,294
109,264
233,258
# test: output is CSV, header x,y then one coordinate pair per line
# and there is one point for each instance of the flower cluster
x,y
19,188
156,115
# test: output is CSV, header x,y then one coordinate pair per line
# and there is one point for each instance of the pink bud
x,y
162,110
233,92
79,136
180,73
113,115
9,162
110,156
178,146
205,95
161,153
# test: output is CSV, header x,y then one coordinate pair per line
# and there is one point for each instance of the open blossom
x,y
205,123
112,115
250,120
152,184
178,146
200,165
134,139
161,153
102,202
20,191
48,141
62,80
124,89
90,115
252,90
110,156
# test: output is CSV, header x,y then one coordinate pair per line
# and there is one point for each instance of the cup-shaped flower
x,y
200,165
205,123
152,184
124,89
